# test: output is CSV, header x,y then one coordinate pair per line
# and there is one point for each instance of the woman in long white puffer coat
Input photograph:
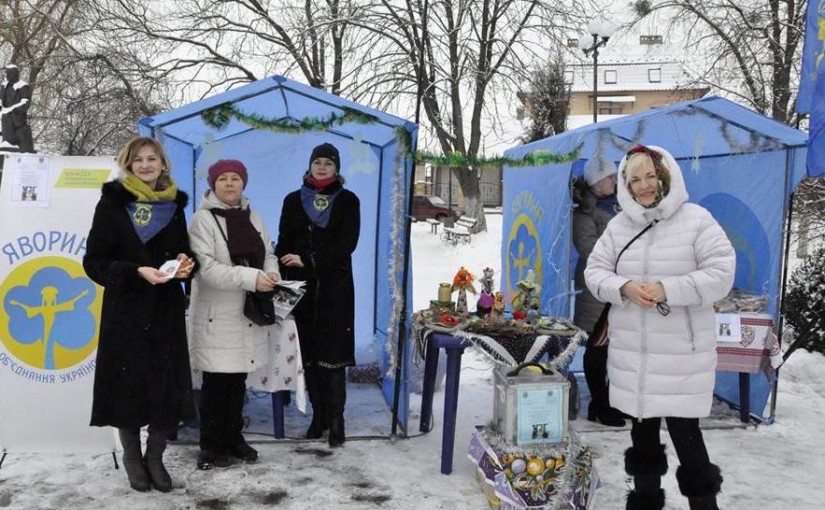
x,y
662,351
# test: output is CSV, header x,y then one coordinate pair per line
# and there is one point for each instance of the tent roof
x,y
275,97
711,126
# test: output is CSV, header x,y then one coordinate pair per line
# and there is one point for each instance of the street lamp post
x,y
601,33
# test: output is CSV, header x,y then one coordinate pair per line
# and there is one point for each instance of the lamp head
x,y
603,29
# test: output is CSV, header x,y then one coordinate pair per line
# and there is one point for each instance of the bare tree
x,y
746,49
215,44
460,57
809,209
86,92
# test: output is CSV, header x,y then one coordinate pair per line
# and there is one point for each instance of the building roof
x,y
617,75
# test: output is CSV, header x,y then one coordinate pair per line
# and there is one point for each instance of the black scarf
x,y
246,247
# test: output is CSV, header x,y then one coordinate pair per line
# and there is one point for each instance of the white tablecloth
x,y
283,368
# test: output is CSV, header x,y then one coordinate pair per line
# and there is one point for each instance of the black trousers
x,y
685,434
221,410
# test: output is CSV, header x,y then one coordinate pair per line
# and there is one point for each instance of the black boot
x,y
133,460
316,398
595,372
336,393
236,398
647,468
155,446
700,485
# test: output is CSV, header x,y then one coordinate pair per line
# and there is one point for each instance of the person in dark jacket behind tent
x,y
319,229
142,374
595,197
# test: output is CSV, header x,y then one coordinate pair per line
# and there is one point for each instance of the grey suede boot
x,y
133,460
155,446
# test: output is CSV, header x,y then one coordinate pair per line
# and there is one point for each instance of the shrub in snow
x,y
804,305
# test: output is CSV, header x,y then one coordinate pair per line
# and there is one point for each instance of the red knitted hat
x,y
223,166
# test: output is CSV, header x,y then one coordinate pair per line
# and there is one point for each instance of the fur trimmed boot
x,y
133,460
700,485
646,467
645,501
155,446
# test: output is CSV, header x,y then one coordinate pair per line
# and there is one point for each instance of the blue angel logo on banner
x,y
811,96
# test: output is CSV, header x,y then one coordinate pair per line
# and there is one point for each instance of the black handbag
x,y
257,306
598,335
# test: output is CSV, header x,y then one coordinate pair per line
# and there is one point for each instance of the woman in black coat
x,y
318,232
142,374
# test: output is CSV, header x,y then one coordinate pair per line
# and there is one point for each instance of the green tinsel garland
x,y
458,160
220,116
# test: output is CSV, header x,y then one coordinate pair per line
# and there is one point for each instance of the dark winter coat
x,y
142,373
589,221
325,316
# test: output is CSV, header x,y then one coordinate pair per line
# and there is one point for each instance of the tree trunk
x,y
468,179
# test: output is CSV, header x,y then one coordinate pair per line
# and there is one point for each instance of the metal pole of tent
x,y
785,255
402,318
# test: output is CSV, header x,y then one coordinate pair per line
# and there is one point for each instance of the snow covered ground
x,y
778,466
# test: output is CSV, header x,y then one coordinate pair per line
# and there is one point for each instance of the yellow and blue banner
x,y
49,308
813,54
811,97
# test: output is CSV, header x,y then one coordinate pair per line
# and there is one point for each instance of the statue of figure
x,y
16,97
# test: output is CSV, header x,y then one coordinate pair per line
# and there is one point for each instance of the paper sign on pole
x,y
49,308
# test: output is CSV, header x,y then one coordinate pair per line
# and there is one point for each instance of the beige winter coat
x,y
221,338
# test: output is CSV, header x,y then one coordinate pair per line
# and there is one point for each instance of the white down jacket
x,y
662,365
221,338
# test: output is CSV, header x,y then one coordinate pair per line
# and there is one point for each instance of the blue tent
x,y
739,164
374,161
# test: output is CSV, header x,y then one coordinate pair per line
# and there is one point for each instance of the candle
x,y
444,292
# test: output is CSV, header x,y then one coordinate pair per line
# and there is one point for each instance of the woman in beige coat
x,y
235,255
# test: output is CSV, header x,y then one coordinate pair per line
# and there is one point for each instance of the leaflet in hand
x,y
169,268
287,295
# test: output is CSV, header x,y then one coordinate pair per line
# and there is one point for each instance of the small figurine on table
x,y
496,314
485,298
525,300
462,282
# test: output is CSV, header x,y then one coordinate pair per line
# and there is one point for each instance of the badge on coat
x,y
320,202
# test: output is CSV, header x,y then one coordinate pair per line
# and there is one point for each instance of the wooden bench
x,y
460,232
433,223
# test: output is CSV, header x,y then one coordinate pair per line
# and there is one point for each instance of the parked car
x,y
430,206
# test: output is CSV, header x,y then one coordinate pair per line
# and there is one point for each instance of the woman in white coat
x,y
235,255
662,351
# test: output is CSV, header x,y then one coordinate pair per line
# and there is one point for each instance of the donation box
x,y
530,404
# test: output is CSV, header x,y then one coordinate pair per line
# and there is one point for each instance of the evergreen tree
x,y
804,305
547,102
